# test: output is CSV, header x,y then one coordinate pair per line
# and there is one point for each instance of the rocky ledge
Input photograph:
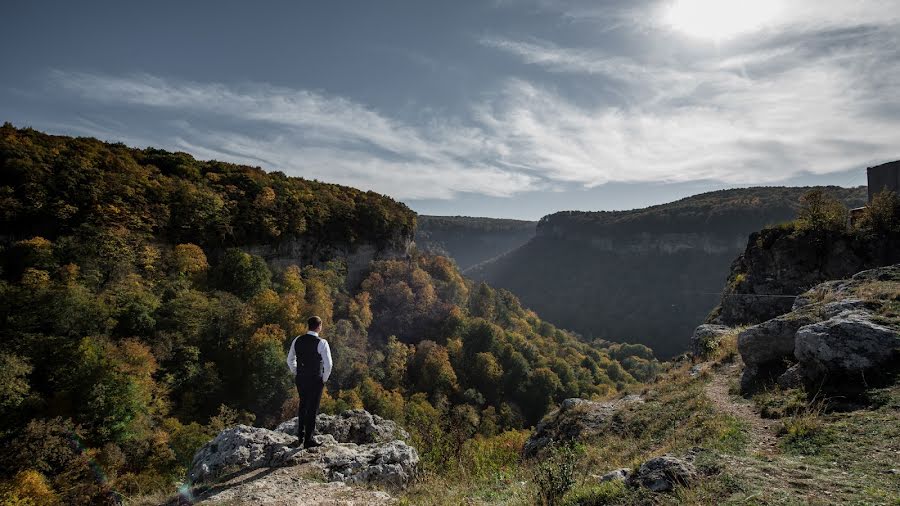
x,y
357,448
841,335
576,419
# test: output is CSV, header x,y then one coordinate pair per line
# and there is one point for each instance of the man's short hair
x,y
314,322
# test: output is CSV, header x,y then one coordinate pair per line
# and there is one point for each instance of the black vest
x,y
309,361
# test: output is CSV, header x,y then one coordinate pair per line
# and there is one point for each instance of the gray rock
x,y
617,475
794,377
237,448
706,338
832,309
352,426
576,419
846,345
243,447
766,348
663,474
391,463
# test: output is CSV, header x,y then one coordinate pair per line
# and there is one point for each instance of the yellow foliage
x,y
272,333
28,488
35,279
189,260
293,280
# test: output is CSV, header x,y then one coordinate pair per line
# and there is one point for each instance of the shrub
x,y
555,474
822,212
882,215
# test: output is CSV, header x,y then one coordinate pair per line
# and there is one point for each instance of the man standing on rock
x,y
309,360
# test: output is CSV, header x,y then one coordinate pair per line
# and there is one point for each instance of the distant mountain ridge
x,y
470,240
645,275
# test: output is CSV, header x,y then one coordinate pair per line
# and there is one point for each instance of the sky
x,y
502,108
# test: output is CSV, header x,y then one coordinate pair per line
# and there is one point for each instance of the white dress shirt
x,y
324,351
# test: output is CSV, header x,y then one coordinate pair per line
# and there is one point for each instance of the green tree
x,y
243,274
822,212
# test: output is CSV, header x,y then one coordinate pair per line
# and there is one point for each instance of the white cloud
x,y
760,111
315,135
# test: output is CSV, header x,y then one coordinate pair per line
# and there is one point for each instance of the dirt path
x,y
761,431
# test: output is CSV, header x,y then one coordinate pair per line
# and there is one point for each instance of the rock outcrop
x,y
576,419
846,345
781,262
352,426
768,348
838,334
362,449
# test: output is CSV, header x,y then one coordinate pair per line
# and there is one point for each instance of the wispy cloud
x,y
759,112
314,135
818,96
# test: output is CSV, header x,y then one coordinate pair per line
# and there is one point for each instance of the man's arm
x,y
292,358
325,352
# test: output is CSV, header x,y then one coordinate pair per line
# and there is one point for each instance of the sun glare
x,y
720,19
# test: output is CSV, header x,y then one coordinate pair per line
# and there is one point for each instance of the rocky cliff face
x,y
780,263
647,275
308,251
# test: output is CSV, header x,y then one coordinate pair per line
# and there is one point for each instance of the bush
x,y
822,212
555,474
882,215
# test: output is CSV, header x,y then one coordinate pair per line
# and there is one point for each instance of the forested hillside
x,y
470,241
135,321
646,276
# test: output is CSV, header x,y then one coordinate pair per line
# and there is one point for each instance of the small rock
x,y
663,474
617,475
706,338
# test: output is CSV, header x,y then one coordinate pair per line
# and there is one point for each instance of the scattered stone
x,y
576,419
617,475
663,474
707,337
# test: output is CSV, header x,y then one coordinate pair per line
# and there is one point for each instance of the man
x,y
309,360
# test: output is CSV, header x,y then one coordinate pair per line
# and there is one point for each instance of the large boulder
x,y
239,447
663,474
707,337
576,419
373,460
392,463
767,348
848,345
352,426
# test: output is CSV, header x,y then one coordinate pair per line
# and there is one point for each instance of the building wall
x,y
884,176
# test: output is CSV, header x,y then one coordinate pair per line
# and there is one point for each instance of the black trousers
x,y
310,390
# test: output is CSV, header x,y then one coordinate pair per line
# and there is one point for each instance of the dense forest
x,y
134,324
646,276
470,241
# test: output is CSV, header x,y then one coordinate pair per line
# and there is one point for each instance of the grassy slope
x,y
818,457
